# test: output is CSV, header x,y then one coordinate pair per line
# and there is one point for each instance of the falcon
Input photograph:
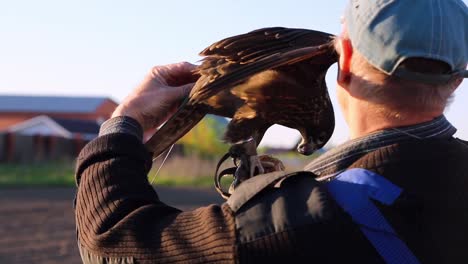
x,y
258,79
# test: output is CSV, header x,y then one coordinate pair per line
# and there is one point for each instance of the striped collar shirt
x,y
339,158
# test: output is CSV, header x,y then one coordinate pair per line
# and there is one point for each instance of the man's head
x,y
402,57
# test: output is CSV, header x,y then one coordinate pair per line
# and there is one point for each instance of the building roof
x,y
78,126
45,125
49,104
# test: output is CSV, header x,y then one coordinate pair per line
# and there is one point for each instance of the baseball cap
x,y
386,32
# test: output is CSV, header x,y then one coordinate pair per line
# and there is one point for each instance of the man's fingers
x,y
181,74
185,89
175,74
179,93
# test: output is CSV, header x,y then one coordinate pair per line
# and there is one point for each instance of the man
x,y
400,61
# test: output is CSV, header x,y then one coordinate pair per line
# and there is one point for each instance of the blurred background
x,y
65,65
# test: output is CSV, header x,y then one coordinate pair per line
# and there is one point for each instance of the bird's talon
x,y
255,164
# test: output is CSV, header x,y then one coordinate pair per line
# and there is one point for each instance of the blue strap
x,y
352,190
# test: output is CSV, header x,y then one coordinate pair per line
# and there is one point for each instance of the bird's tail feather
x,y
175,128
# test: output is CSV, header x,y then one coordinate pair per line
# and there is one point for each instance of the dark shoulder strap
x,y
248,189
268,205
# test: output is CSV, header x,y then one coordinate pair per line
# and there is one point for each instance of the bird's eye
x,y
321,138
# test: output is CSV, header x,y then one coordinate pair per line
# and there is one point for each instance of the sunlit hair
x,y
397,97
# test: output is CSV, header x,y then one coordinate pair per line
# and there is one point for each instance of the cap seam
x,y
432,28
441,24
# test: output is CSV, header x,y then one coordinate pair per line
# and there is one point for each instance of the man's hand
x,y
159,95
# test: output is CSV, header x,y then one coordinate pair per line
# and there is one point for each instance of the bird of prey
x,y
258,79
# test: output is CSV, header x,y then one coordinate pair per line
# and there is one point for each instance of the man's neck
x,y
364,119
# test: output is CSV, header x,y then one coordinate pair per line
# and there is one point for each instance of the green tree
x,y
205,138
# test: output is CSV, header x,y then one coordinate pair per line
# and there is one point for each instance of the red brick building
x,y
17,109
36,128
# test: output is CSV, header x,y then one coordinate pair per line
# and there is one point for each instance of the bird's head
x,y
317,134
313,142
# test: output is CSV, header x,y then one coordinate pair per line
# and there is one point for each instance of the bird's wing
x,y
232,60
186,117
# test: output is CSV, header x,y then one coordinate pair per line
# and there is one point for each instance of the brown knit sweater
x,y
121,219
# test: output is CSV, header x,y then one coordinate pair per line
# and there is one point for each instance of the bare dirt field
x,y
37,224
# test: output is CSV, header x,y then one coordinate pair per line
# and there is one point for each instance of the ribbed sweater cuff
x,y
122,124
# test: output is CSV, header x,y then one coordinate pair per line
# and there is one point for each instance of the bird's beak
x,y
307,148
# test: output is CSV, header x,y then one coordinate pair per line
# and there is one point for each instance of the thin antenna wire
x,y
164,160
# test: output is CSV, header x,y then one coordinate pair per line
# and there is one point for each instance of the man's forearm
x,y
112,183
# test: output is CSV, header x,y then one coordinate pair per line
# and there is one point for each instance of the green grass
x,y
37,174
62,174
201,181
184,171
177,171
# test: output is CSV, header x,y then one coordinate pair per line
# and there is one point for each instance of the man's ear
x,y
345,50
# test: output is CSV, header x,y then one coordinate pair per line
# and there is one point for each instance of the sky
x,y
105,47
